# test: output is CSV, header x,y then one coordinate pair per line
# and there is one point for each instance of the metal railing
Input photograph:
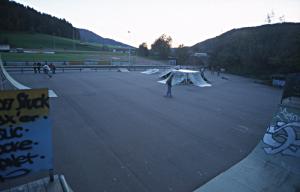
x,y
64,68
5,77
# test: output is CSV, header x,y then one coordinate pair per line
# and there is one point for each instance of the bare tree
x,y
282,19
270,17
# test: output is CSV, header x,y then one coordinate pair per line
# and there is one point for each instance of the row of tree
x,y
256,51
16,17
161,48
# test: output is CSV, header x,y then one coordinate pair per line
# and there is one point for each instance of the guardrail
x,y
63,68
6,76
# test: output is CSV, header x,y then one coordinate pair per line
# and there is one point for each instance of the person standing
x,y
34,67
169,85
39,67
53,68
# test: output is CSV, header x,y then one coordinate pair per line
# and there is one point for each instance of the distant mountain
x,y
91,37
259,51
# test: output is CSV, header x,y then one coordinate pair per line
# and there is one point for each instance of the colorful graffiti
x,y
283,135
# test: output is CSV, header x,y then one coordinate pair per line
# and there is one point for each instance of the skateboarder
x,y
169,84
47,70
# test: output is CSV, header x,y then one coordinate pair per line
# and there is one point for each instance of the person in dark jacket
x,y
35,67
169,84
39,65
53,68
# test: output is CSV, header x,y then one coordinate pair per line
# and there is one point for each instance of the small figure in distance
x,y
34,67
169,85
39,67
53,68
47,69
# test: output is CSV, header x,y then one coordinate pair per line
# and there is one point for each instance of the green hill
x,y
65,49
256,51
15,17
43,41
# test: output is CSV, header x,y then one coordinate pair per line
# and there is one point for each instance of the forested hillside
x,y
258,51
16,17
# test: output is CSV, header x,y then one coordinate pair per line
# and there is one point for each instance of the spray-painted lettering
x,y
14,174
16,161
10,133
13,119
7,119
15,146
6,104
36,103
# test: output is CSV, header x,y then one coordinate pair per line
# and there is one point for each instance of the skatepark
x,y
120,97
115,131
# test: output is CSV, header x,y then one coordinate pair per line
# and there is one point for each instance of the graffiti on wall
x,y
25,133
283,134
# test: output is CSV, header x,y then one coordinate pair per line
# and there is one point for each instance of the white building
x,y
4,48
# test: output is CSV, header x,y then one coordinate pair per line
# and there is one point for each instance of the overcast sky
x,y
186,21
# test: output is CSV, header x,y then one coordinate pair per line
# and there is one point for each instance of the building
x,y
4,48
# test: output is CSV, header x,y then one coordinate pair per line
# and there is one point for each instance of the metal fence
x,y
65,68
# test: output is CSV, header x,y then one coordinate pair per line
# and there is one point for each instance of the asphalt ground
x,y
116,132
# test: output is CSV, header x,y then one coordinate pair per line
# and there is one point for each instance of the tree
x,y
182,54
270,17
162,46
258,51
143,50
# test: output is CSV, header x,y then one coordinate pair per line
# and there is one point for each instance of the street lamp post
x,y
129,49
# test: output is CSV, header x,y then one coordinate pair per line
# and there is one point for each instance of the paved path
x,y
116,132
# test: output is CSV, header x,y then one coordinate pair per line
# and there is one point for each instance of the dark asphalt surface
x,y
116,132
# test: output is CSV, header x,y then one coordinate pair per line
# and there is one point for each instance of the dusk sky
x,y
187,21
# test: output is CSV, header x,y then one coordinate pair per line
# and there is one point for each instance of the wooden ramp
x,y
43,185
